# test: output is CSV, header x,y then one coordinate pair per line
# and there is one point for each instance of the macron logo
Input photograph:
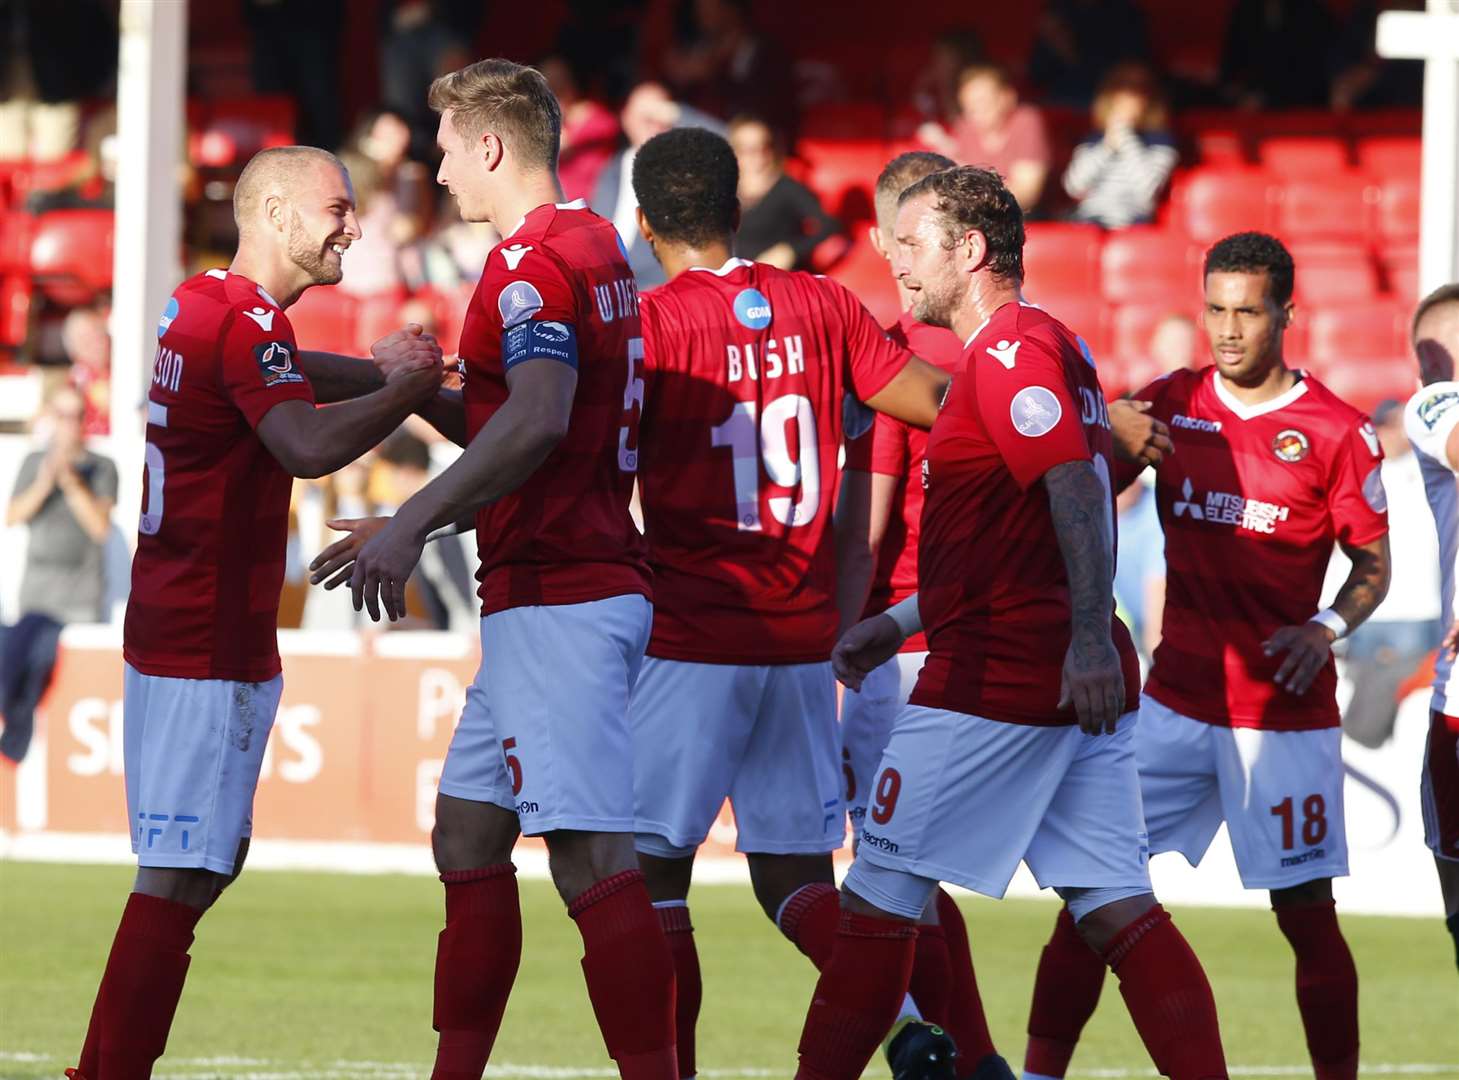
x,y
1005,352
1195,423
263,317
515,254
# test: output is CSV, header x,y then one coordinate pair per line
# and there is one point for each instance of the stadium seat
x,y
1331,272
1303,155
15,230
31,176
232,131
867,275
1061,257
1131,326
1362,330
1330,207
1397,211
1084,313
14,310
1391,156
1366,381
325,319
375,316
1212,203
843,120
843,173
1400,269
71,253
1144,265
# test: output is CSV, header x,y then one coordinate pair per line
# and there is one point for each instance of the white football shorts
x,y
866,725
764,736
545,727
1280,794
965,799
193,749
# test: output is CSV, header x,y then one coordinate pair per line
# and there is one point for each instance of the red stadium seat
x,y
1331,207
1143,265
1397,213
15,231
375,316
1223,147
1061,257
1331,272
1212,203
843,120
1131,327
1084,313
868,275
1366,381
14,310
232,131
30,176
1400,268
843,173
1303,155
1391,156
325,319
1361,330
71,253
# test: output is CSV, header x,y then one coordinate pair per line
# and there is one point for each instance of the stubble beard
x,y
306,254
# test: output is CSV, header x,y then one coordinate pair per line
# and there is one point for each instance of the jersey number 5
x,y
632,408
770,447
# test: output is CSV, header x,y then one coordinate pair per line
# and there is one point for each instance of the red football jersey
x,y
559,286
1251,502
747,373
993,591
209,565
893,448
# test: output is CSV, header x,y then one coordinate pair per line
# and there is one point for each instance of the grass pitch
x,y
316,977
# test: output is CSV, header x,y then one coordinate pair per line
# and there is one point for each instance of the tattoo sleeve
x,y
1079,504
1367,583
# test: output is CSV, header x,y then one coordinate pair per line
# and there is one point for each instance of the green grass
x,y
294,972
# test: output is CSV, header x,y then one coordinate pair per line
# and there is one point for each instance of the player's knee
x,y
1309,892
579,860
1100,914
775,877
194,888
667,876
469,835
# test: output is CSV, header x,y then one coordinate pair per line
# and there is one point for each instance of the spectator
x,y
648,111
995,131
65,494
372,263
1079,42
52,57
1118,171
781,220
934,94
296,46
1385,651
416,45
1365,80
86,341
589,130
725,68
384,137
1277,54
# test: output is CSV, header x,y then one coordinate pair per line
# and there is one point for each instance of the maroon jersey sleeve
x,y
538,306
1028,411
874,357
256,365
1357,501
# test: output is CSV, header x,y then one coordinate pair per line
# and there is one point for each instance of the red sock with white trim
x,y
965,1020
1169,998
1065,992
857,997
1327,987
809,917
630,975
140,989
477,956
679,933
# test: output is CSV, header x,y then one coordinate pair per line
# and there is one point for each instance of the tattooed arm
x,y
1309,645
1094,681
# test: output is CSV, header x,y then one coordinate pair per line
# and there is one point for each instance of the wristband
x,y
907,615
1332,620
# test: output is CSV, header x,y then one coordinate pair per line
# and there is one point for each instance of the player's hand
x,y
407,349
1093,683
1138,436
1307,647
1449,647
865,647
339,558
382,568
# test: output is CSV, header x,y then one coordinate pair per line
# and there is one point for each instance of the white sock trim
x,y
659,905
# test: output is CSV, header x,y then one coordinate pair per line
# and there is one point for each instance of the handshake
x,y
412,353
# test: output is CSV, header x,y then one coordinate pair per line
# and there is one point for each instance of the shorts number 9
x,y
884,800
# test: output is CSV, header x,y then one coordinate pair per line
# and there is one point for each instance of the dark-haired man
x,y
1239,721
1021,720
1432,420
746,375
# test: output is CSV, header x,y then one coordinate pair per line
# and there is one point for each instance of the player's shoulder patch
x,y
518,301
275,360
1035,410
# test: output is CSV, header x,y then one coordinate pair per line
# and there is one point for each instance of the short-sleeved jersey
x,y
214,529
1429,419
993,590
559,287
1251,503
893,448
747,372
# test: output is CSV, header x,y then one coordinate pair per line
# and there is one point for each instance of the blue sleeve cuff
x,y
533,339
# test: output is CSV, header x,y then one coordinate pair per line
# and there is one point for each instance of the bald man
x,y
231,420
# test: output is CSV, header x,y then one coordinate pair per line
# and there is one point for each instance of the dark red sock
x,y
809,918
630,975
140,989
857,997
679,932
965,1020
477,956
1065,992
1165,989
1327,987
931,984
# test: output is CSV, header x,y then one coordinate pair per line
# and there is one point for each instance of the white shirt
x,y
1429,417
